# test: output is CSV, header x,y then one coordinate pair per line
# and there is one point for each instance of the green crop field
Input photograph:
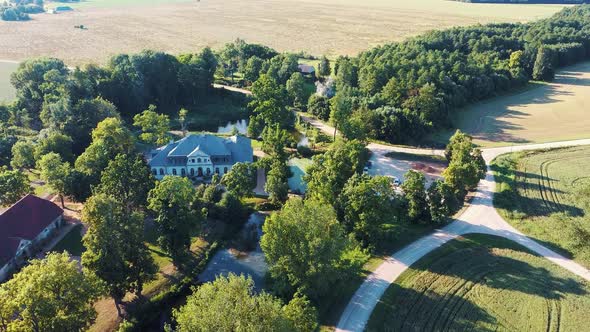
x,y
546,195
541,112
483,283
6,90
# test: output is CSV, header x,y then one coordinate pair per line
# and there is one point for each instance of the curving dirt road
x,y
479,217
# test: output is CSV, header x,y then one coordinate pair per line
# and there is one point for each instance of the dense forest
x,y
408,89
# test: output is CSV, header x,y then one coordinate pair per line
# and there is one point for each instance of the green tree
x,y
393,92
128,179
49,295
56,173
367,204
252,69
274,141
230,304
109,139
319,106
329,172
240,180
14,185
270,101
22,155
543,69
182,114
341,109
55,142
442,201
301,313
115,249
276,182
324,67
171,201
466,165
154,127
296,90
415,193
307,250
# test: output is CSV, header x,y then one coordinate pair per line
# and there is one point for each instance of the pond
x,y
251,264
240,125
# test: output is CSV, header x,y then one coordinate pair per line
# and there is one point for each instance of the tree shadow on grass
x,y
511,200
406,309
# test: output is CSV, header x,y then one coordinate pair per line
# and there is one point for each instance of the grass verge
x,y
546,195
484,283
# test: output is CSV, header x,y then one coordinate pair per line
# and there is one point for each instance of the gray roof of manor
x,y
238,147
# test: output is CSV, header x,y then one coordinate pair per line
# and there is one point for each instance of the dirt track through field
x,y
329,26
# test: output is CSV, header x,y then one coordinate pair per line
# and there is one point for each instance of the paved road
x,y
479,217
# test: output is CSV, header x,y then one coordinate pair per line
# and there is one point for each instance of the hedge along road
x,y
479,217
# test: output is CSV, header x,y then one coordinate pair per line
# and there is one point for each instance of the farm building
x,y
198,156
24,227
306,69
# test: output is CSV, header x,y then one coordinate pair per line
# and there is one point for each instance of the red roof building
x,y
26,222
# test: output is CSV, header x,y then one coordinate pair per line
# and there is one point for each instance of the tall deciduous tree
x,y
154,127
56,173
14,185
276,184
324,67
415,192
109,139
329,172
319,106
366,204
307,250
54,142
230,304
543,69
466,165
49,295
115,249
296,90
22,155
128,179
241,179
171,201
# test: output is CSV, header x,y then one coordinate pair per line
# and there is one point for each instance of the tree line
x,y
405,91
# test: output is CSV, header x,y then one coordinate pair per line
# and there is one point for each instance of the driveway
x,y
479,217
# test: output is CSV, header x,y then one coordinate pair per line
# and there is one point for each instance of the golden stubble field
x,y
555,111
330,27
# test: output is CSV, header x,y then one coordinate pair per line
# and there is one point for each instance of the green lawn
x,y
72,242
7,92
395,237
546,195
483,283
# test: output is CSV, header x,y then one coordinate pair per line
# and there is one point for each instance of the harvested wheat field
x,y
544,112
483,283
7,92
332,27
